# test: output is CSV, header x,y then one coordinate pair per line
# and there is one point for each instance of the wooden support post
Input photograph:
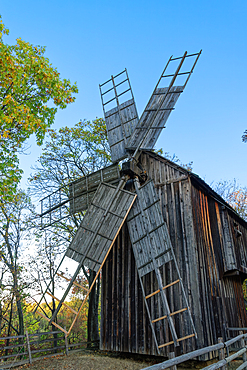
x,y
242,344
222,353
28,348
66,343
170,356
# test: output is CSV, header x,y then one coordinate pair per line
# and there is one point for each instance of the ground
x,y
90,360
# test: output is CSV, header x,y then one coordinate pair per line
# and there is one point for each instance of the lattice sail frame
x,y
123,118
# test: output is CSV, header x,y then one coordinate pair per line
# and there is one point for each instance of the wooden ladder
x,y
167,314
51,320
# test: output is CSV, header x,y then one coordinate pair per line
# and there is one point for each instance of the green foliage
x,y
69,154
28,87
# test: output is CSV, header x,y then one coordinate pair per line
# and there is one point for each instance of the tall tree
x,y
69,154
28,87
15,222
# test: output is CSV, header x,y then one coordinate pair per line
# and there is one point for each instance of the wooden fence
x,y
30,347
223,349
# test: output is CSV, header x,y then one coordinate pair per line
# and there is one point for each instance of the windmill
x,y
103,194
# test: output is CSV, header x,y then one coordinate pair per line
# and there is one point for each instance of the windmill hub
x,y
134,169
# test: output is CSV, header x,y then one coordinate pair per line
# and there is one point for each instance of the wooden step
x,y
171,314
54,323
64,304
78,285
165,287
178,340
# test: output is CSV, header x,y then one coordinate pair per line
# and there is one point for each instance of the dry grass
x,y
100,360
87,361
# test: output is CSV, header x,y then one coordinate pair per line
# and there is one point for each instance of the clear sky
x,y
88,41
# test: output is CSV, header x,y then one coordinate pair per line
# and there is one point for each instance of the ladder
x,y
146,243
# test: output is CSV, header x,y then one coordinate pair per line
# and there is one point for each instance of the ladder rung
x,y
113,78
123,92
55,324
64,304
164,287
187,336
127,106
156,110
178,340
187,56
80,286
105,92
109,101
169,92
179,74
171,314
120,83
119,73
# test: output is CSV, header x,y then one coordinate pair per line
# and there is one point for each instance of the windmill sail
x,y
157,112
76,196
122,119
152,249
159,107
81,191
100,226
95,237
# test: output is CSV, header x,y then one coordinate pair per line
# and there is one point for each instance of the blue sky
x,y
89,41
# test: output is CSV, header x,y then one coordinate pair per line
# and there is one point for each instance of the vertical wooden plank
x,y
222,353
66,343
170,356
129,299
113,294
28,348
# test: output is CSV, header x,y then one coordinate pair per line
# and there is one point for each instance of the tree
x,y
14,220
233,194
69,154
28,86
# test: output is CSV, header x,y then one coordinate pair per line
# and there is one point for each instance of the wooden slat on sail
x,y
150,126
91,242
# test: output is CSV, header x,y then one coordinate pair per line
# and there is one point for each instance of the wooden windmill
x,y
103,194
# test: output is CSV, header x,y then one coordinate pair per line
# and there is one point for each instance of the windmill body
x,y
109,205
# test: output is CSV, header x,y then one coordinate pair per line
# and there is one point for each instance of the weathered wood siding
x,y
221,257
206,258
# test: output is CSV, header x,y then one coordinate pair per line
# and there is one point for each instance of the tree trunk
x,y
9,327
92,319
18,304
53,310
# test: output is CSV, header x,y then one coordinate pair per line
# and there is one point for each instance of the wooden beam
x,y
64,304
78,285
171,314
178,340
55,324
157,291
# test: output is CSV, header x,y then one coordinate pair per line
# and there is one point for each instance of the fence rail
x,y
30,350
220,346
